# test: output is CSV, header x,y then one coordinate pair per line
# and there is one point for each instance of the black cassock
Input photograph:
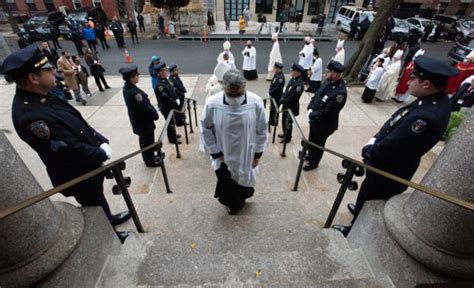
x,y
228,192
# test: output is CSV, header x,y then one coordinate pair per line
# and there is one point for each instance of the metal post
x,y
286,134
190,118
178,155
340,195
163,170
195,113
300,166
126,196
185,129
276,125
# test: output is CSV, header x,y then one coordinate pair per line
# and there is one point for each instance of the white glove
x,y
177,101
309,112
371,141
107,149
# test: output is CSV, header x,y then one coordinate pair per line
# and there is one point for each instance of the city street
x,y
195,57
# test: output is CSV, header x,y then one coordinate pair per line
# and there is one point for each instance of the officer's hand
x,y
366,153
107,150
309,112
255,163
178,102
371,141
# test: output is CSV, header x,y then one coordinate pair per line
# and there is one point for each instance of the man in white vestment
x,y
389,80
306,57
234,133
249,66
340,53
228,62
214,84
275,56
226,47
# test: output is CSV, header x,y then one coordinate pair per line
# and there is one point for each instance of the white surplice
x,y
220,58
238,131
306,56
275,56
388,82
340,57
317,70
250,62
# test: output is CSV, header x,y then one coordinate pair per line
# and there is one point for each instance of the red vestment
x,y
402,86
465,70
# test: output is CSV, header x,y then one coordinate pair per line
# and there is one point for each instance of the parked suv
x,y
462,48
347,13
452,30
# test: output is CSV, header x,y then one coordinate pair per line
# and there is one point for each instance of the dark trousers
x,y
318,135
145,140
134,37
314,86
229,192
272,121
103,43
368,95
171,130
305,76
94,198
92,45
98,79
287,124
119,40
142,26
56,43
78,47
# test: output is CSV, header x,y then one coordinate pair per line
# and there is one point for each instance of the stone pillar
x,y
438,234
36,240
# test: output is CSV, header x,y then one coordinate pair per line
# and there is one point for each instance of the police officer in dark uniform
x,y
275,91
411,132
323,111
141,113
65,142
180,91
167,99
291,100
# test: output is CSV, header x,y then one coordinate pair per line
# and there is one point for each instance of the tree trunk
x,y
375,31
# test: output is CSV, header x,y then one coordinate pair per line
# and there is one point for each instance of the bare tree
x,y
375,31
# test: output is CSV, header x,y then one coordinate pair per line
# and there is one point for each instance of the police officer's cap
x,y
335,66
297,67
172,67
278,65
127,70
159,66
27,60
432,69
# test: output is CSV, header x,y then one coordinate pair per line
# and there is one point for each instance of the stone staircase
x,y
277,240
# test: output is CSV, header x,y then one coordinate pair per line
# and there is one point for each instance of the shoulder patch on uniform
x,y
138,97
419,126
298,88
340,98
161,88
40,129
280,80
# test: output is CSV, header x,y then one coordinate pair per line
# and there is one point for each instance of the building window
x,y
314,7
97,3
442,7
77,4
264,6
49,5
31,5
462,9
12,5
234,8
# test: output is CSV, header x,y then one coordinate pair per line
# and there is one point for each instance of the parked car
x,y
462,48
37,27
419,23
466,26
347,13
401,30
77,20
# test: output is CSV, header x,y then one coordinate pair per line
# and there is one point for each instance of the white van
x,y
347,13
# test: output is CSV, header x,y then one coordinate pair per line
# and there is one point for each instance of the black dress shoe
x,y
101,90
282,135
108,87
343,229
310,166
301,156
287,141
120,218
174,142
178,136
122,236
156,163
84,102
352,208
231,211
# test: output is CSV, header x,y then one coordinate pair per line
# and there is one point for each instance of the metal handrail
x,y
432,192
111,166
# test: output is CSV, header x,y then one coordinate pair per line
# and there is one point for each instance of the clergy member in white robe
x,y
389,80
234,133
275,56
340,53
228,62
373,80
249,66
306,58
214,84
316,73
226,47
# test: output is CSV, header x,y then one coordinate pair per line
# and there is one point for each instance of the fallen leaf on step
x,y
258,273
193,246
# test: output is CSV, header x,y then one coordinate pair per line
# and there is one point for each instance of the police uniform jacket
x,y
327,103
66,144
140,111
291,97
178,87
277,85
166,96
409,133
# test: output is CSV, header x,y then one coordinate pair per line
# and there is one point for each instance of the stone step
x,y
252,268
184,245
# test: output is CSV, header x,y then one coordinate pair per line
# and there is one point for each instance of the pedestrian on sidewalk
x,y
132,28
100,33
89,34
54,36
76,38
69,69
292,13
210,20
172,28
160,22
82,75
50,53
227,22
97,70
249,67
282,19
66,144
241,25
141,112
117,30
321,23
246,14
234,134
141,24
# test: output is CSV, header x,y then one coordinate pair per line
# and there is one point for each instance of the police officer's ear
x,y
33,77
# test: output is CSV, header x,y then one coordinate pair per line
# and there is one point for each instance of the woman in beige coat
x,y
70,70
